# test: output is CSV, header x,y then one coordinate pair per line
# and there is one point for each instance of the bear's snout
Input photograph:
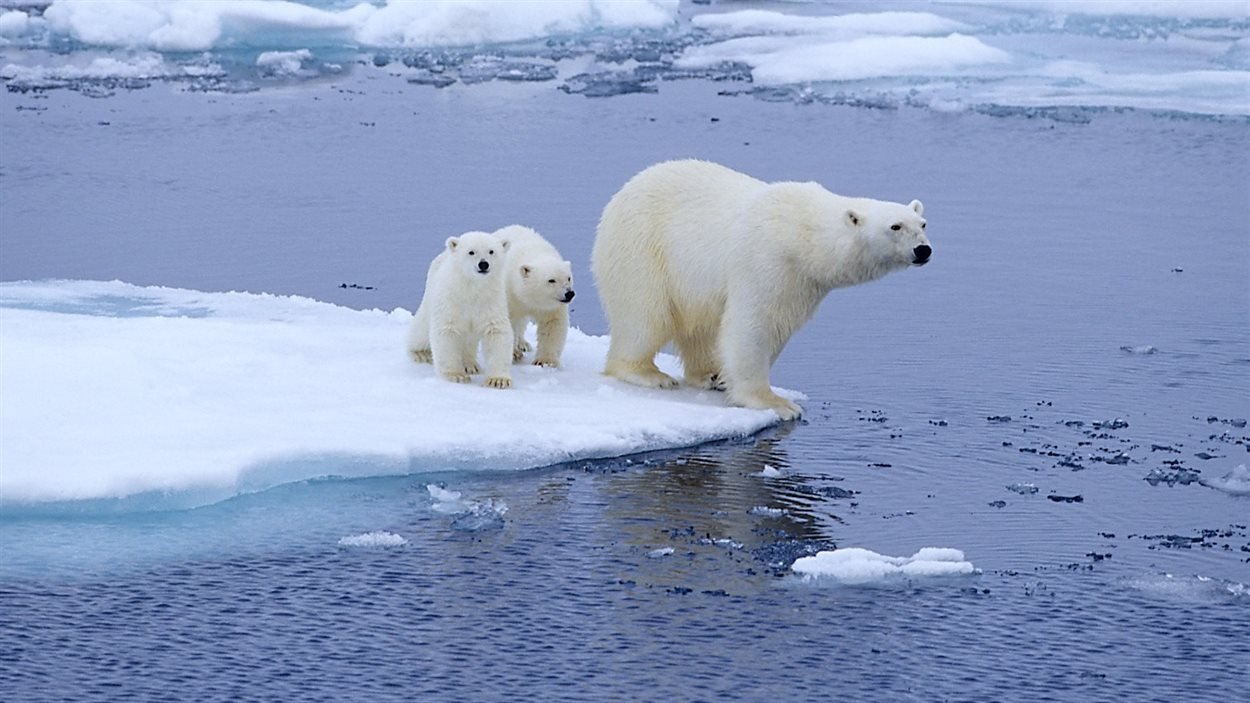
x,y
568,295
922,254
483,266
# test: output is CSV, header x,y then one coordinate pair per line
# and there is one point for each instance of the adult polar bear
x,y
727,267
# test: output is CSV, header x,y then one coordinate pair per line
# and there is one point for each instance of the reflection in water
x,y
688,516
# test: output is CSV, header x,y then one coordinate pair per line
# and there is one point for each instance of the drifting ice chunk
x,y
1235,482
379,538
607,84
858,566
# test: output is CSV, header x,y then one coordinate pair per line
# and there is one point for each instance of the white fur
x,y
540,286
728,267
463,307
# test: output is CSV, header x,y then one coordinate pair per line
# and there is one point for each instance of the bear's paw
x,y
498,382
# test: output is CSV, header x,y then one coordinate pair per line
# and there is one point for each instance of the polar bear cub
x,y
728,267
465,304
540,286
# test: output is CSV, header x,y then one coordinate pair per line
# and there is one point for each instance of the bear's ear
x,y
503,243
525,271
917,206
853,218
452,243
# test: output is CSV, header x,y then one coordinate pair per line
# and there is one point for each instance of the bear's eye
x,y
896,227
471,253
551,280
492,252
922,224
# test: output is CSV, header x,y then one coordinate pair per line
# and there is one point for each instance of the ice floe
x,y
854,565
111,390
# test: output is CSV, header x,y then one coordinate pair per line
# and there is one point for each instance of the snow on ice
x,y
112,390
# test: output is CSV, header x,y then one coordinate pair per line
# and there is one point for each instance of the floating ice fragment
x,y
661,552
1180,476
445,501
486,515
1235,482
1141,349
854,565
770,471
468,515
767,511
378,538
1116,424
283,63
607,84
1023,489
1189,588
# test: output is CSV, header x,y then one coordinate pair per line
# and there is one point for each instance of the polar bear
x,y
540,286
465,303
728,267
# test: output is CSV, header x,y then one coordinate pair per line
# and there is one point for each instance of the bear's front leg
x,y
446,343
497,346
553,332
748,357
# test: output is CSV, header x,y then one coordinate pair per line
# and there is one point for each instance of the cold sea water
x,y
1059,394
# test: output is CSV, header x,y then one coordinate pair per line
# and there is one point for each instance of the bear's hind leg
x,y
700,367
418,342
519,346
632,360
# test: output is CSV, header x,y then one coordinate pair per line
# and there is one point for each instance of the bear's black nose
x,y
483,265
568,295
922,253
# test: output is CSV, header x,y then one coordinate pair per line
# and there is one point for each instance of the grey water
x,y
1084,326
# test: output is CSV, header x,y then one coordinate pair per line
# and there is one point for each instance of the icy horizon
x,y
184,398
982,55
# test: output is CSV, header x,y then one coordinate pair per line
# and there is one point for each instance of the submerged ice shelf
x,y
112,391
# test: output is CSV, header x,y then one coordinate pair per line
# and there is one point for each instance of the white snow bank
x,y
197,25
378,538
781,60
1212,9
111,390
861,566
1235,482
852,24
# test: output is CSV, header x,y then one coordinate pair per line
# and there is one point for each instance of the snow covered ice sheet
x,y
111,390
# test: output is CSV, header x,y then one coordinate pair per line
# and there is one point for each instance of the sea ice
x,y
606,84
1235,482
111,390
1189,588
467,515
854,565
379,538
